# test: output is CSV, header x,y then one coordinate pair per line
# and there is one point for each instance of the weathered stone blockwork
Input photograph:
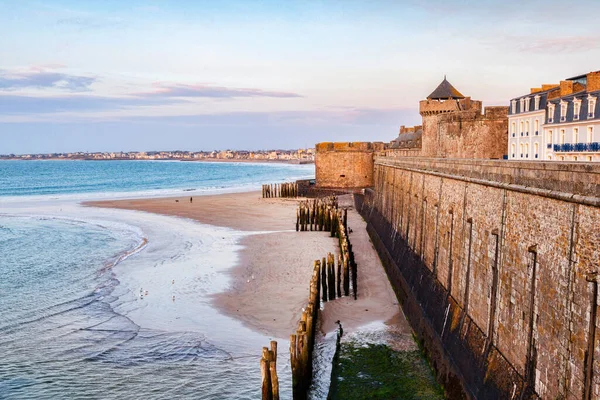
x,y
345,165
466,134
496,265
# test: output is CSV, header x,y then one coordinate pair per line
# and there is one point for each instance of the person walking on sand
x,y
190,199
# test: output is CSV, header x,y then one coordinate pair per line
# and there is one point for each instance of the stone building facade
x,y
557,122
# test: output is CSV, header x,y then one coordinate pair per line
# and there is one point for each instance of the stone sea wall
x,y
496,265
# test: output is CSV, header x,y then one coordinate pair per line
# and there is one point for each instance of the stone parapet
x,y
578,179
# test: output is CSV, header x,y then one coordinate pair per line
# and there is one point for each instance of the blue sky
x,y
203,75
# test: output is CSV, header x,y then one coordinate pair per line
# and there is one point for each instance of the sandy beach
x,y
270,283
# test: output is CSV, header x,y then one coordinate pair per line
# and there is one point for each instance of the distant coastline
x,y
297,156
232,160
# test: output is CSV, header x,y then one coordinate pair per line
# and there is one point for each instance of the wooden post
x,y
324,280
339,276
294,364
331,277
273,371
346,276
267,389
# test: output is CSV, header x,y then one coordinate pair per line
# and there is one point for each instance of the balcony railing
x,y
576,147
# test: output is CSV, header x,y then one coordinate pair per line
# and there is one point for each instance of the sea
x,y
116,304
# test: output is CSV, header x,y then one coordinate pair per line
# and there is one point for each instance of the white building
x,y
557,122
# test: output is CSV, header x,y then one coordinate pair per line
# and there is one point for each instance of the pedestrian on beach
x,y
190,199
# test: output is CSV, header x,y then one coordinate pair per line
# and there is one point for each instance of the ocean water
x,y
106,178
116,304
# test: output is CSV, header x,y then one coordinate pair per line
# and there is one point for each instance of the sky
x,y
135,75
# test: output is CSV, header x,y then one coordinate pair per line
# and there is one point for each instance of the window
x,y
513,147
575,135
527,100
563,110
550,136
551,112
514,106
591,106
527,150
589,158
514,129
549,157
521,147
527,128
590,134
537,126
576,109
574,158
536,149
562,136
521,126
562,158
537,102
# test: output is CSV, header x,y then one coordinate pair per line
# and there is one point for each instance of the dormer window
x,y
521,105
563,111
576,108
514,106
527,100
591,106
551,112
537,102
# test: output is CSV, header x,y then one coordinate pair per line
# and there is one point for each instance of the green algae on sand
x,y
375,371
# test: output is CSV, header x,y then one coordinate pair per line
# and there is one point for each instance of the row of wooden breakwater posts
x,y
288,189
325,215
325,285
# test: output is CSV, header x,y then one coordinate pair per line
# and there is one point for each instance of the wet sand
x,y
270,284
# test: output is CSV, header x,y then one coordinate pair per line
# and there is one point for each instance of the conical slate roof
x,y
445,91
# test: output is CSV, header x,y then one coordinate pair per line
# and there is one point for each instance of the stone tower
x,y
444,99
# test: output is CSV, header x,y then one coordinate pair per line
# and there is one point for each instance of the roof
x,y
445,91
577,77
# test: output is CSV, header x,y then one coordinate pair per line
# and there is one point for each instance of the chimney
x,y
566,88
593,81
535,90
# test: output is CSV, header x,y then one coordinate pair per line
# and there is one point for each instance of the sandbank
x,y
269,285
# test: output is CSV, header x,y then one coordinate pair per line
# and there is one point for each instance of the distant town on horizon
x,y
299,155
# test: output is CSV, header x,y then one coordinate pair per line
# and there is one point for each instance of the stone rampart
x,y
345,164
496,264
